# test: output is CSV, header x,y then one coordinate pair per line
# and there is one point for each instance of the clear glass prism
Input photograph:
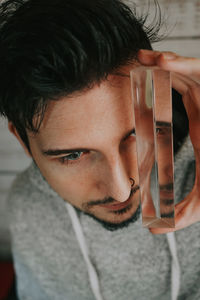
x,y
152,97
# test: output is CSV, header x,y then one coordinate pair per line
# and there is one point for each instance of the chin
x,y
119,219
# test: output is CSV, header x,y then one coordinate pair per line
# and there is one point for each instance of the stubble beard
x,y
110,226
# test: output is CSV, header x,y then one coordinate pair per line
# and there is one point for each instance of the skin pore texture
x,y
86,150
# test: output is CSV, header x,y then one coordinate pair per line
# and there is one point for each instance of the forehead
x,y
88,114
88,103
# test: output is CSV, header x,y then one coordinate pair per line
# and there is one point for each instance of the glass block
x,y
152,97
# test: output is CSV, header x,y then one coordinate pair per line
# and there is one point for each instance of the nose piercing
x,y
132,181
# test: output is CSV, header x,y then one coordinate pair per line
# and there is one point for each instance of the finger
x,y
179,84
148,57
170,61
190,90
186,83
156,58
189,66
152,58
183,84
186,213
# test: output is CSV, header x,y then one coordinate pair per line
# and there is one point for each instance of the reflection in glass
x,y
151,93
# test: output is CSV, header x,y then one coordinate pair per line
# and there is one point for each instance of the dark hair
x,y
52,48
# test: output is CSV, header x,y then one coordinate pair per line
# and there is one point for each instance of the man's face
x,y
86,150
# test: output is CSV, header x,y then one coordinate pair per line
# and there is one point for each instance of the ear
x,y
14,131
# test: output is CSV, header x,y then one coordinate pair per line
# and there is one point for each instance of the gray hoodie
x,y
61,254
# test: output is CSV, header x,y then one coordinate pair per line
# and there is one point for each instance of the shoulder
x,y
34,206
184,169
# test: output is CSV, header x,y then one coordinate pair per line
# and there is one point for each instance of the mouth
x,y
120,205
167,197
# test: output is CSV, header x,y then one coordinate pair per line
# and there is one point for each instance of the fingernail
x,y
169,56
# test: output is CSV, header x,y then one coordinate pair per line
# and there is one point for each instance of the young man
x,y
74,213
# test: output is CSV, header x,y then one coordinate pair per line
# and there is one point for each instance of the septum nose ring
x,y
132,181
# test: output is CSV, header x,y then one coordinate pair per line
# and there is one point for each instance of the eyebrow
x,y
163,124
57,152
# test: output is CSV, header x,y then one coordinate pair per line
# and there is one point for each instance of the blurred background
x,y
182,30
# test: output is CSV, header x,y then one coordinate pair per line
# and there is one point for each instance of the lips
x,y
166,195
120,205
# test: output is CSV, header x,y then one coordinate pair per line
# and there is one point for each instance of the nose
x,y
119,182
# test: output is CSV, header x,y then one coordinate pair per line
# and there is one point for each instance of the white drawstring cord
x,y
175,267
94,281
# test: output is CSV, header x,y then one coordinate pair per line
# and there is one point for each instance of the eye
x,y
72,157
165,131
133,133
159,130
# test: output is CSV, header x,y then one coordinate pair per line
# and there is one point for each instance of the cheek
x,y
75,188
71,183
66,185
